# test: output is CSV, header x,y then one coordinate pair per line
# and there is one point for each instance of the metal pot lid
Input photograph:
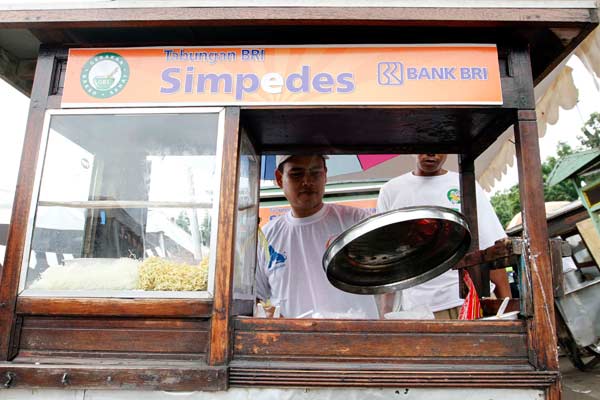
x,y
397,249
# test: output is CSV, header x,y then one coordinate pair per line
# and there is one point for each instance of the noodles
x,y
123,274
159,274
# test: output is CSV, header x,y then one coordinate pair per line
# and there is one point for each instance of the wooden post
x,y
221,327
9,275
538,268
468,205
553,392
535,235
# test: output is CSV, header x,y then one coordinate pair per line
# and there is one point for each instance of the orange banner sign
x,y
303,75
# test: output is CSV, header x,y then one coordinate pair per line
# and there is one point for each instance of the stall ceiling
x,y
373,130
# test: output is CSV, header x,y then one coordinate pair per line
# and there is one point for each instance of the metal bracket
x,y
10,377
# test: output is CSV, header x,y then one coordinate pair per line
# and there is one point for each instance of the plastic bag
x,y
471,308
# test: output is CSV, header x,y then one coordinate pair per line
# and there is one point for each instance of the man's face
x,y
303,182
430,164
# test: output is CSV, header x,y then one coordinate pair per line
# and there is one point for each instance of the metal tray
x,y
397,249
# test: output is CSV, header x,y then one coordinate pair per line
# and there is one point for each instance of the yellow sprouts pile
x,y
159,274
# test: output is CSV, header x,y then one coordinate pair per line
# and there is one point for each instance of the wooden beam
x,y
468,205
569,46
556,255
221,330
88,307
503,249
381,327
9,275
161,376
183,16
535,236
343,341
553,392
125,337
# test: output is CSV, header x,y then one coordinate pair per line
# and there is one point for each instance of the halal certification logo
x,y
453,196
104,75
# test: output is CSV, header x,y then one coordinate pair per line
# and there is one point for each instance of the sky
x,y
14,106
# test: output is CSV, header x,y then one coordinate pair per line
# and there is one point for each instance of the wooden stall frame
x,y
16,239
246,347
220,338
285,353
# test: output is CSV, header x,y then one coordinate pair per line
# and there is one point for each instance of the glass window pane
x,y
125,204
247,220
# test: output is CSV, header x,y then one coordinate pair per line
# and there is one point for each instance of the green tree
x,y
507,202
205,229
591,132
183,221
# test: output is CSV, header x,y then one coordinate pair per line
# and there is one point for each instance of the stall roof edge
x,y
101,4
552,28
572,164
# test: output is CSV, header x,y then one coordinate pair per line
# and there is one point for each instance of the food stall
x,y
131,252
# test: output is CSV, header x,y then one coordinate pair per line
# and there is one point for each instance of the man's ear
x,y
279,178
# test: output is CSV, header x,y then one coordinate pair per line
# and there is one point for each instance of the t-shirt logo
x,y
276,260
453,196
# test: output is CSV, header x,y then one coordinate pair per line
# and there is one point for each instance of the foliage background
x,y
507,202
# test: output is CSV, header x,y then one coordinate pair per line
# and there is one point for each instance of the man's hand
x,y
385,303
500,279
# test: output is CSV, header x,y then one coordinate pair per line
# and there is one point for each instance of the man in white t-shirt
x,y
431,185
290,272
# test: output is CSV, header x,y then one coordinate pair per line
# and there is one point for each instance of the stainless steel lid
x,y
397,249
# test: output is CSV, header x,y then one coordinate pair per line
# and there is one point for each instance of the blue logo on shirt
x,y
276,260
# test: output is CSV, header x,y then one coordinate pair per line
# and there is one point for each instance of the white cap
x,y
283,158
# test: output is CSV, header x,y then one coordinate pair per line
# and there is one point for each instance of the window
x,y
247,220
127,205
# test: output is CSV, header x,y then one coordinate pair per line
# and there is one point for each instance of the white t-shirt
x,y
293,275
440,293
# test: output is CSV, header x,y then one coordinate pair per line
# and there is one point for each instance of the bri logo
x,y
390,73
276,260
394,73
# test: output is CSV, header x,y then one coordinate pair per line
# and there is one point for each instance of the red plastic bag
x,y
471,308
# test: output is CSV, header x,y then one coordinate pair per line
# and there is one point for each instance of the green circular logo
x,y
453,196
104,75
